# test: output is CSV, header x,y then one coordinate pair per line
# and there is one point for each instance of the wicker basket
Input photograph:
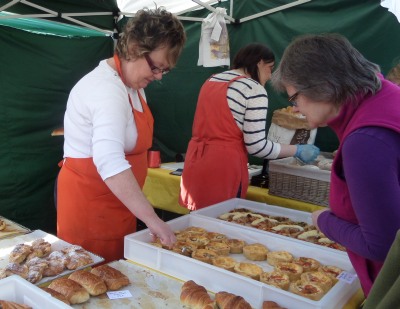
x,y
302,183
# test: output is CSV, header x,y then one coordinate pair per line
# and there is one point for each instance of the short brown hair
x,y
149,30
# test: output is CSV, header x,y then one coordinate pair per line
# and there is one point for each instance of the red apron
x,y
88,213
216,159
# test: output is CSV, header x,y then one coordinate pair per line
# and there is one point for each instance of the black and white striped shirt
x,y
248,102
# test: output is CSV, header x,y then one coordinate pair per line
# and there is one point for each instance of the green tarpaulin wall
x,y
38,70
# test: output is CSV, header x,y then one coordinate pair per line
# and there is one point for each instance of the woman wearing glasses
x,y
229,123
108,130
333,84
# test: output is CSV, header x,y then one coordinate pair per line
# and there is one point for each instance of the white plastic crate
x,y
138,249
18,290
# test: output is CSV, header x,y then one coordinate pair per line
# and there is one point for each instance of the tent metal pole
x,y
27,16
88,14
8,5
210,8
39,7
190,18
279,8
107,32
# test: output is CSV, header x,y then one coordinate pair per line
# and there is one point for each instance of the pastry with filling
x,y
291,269
221,248
199,241
275,257
77,257
113,278
16,269
204,255
249,270
308,264
92,283
19,253
264,224
236,245
308,290
195,230
224,262
332,271
318,278
290,230
276,278
57,261
225,300
255,252
212,236
310,236
36,269
72,291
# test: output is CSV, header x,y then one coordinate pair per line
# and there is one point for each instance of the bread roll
x,y
73,291
12,305
113,278
225,300
56,294
92,283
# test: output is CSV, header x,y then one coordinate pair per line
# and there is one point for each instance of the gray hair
x,y
326,68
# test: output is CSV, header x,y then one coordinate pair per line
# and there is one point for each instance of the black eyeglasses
x,y
153,68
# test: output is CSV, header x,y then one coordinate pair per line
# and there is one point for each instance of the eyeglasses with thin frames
x,y
292,98
153,68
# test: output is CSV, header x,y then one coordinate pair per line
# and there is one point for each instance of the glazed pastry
x,y
255,252
264,223
195,296
199,241
318,278
267,304
204,255
291,230
310,236
276,257
332,271
225,300
19,253
291,269
221,248
276,278
224,262
308,290
4,304
72,291
92,283
236,245
56,294
308,264
113,278
212,236
249,270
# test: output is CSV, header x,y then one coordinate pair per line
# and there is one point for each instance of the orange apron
x,y
216,158
88,213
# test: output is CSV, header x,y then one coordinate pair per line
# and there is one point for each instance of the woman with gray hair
x,y
108,130
331,83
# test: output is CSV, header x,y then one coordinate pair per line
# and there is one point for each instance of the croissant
x,y
225,300
195,296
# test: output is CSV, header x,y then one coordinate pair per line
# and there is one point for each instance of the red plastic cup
x,y
153,158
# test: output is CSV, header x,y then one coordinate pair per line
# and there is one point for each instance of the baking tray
x,y
7,245
214,211
150,289
138,249
18,290
12,229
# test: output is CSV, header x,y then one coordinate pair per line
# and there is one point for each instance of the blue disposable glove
x,y
307,153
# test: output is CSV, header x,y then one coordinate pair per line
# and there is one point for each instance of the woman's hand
x,y
315,216
164,232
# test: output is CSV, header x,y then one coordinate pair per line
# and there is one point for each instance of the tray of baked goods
x,y
255,265
9,228
283,222
40,257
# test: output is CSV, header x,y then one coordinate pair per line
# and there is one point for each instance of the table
x,y
162,190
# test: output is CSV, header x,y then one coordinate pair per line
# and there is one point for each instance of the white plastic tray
x,y
214,211
18,290
138,249
7,245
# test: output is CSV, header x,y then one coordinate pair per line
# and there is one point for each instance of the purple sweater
x,y
365,183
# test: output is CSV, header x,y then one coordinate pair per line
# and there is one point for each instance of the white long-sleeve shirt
x,y
248,102
99,122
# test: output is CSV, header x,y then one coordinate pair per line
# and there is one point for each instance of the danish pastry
x,y
332,271
275,257
236,245
308,264
308,290
220,247
19,253
255,252
318,278
291,269
249,270
276,278
204,255
224,262
213,236
199,241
